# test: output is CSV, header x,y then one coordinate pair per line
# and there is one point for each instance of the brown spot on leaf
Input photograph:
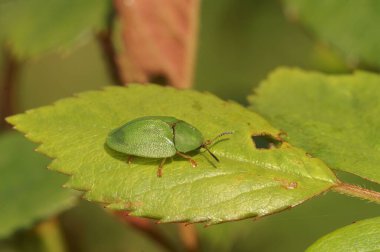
x,y
282,134
292,185
197,106
131,205
289,185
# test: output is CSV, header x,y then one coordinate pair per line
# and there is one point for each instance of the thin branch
x,y
191,52
357,191
148,228
189,237
109,53
51,235
104,39
10,74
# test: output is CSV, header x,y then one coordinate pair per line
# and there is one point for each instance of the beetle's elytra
x,y
158,137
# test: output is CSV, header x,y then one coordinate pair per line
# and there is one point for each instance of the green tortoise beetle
x,y
159,137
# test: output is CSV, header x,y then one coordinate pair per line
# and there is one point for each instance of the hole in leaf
x,y
266,141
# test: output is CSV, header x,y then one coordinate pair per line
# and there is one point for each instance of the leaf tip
x,y
13,119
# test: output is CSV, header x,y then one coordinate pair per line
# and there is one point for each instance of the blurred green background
x,y
240,42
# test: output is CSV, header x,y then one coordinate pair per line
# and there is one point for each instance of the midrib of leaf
x,y
213,177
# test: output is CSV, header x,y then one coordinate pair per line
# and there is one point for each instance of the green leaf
x,y
351,26
332,117
238,46
102,232
361,236
247,182
37,26
28,192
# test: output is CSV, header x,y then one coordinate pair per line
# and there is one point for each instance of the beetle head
x,y
210,142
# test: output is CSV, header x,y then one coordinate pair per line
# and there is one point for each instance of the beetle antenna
x,y
217,159
209,142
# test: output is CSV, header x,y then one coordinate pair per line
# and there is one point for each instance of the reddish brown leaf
x,y
159,39
148,227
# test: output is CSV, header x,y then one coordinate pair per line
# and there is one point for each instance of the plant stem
x,y
8,84
189,237
109,54
357,191
148,228
108,49
51,236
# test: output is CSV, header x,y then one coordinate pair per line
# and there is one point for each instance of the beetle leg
x,y
130,158
192,161
159,171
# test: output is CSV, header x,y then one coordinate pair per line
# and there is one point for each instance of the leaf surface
x,y
332,117
361,236
350,26
247,182
28,192
37,26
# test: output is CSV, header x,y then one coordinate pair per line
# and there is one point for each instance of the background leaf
x,y
159,40
332,117
88,228
28,192
350,26
247,182
36,26
361,236
238,46
308,221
